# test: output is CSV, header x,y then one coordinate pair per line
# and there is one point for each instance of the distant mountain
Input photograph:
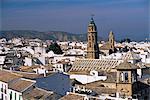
x,y
50,35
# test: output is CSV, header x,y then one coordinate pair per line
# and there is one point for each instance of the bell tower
x,y
92,45
111,41
126,79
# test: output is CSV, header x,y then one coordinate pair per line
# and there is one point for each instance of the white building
x,y
61,66
12,86
84,79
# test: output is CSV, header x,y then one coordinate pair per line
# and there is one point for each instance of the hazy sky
x,y
126,18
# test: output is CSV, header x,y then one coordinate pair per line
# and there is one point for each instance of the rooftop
x,y
38,93
31,75
99,88
93,64
72,96
126,66
7,76
130,55
103,90
21,84
30,68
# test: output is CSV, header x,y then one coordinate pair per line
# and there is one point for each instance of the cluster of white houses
x,y
85,71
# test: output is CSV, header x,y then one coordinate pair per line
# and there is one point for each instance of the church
x,y
121,75
92,61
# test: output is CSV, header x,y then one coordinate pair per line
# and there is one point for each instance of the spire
x,y
111,33
92,19
92,49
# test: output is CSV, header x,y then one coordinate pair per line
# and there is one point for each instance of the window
x,y
126,77
2,96
15,96
92,38
10,95
89,44
89,38
19,97
111,41
5,90
92,28
2,88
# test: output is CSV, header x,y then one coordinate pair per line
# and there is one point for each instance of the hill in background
x,y
50,35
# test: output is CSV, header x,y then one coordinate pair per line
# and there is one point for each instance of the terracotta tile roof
x,y
21,84
30,68
38,93
98,88
72,97
28,75
93,64
7,76
80,72
126,65
62,62
102,90
130,55
95,84
32,75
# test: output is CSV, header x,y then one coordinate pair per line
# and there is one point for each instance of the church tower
x,y
92,46
126,79
111,41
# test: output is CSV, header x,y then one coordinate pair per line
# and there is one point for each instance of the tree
x,y
110,51
125,40
125,49
55,48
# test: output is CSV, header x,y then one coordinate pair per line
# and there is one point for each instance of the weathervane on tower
x,y
92,15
